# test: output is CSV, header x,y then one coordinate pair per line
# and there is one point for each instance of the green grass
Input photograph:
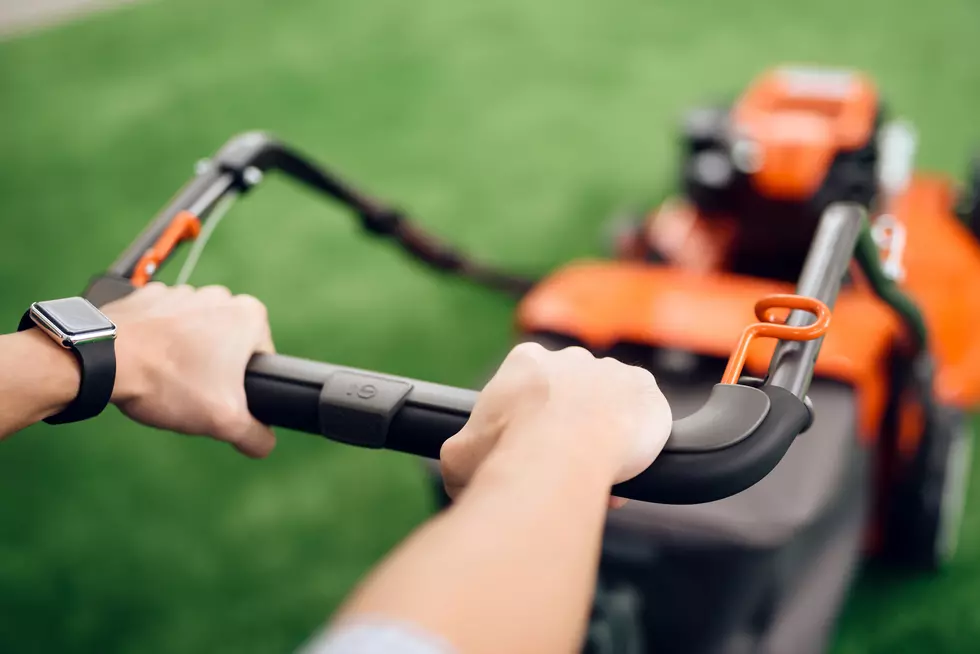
x,y
512,127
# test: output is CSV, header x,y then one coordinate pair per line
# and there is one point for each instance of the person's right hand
x,y
181,355
613,413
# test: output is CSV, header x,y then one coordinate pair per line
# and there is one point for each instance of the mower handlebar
x,y
732,442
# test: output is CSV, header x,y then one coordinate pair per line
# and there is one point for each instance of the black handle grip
x,y
734,441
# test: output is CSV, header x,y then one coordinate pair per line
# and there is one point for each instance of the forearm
x,y
38,379
511,566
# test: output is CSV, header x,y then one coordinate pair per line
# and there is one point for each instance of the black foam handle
x,y
710,455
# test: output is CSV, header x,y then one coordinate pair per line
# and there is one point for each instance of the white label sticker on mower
x,y
818,82
889,235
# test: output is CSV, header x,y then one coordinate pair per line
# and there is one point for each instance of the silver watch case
x,y
72,321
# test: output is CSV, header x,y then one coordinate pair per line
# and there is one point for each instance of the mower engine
x,y
762,171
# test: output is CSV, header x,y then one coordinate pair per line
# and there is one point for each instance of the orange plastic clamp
x,y
771,327
184,226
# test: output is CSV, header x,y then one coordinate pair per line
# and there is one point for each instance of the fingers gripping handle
x,y
736,438
732,442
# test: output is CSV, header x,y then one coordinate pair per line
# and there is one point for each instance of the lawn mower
x,y
803,265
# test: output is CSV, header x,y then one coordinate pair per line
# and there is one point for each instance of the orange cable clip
x,y
771,328
184,226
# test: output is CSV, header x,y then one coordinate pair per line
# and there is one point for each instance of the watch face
x,y
74,318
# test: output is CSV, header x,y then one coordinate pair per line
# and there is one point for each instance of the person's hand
x,y
180,361
612,412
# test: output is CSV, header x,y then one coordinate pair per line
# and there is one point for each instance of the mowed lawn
x,y
512,127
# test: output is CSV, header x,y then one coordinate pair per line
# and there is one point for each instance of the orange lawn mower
x,y
805,266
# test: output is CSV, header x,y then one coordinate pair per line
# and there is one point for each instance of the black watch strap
x,y
97,367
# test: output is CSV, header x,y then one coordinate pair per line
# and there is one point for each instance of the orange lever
x,y
770,327
184,226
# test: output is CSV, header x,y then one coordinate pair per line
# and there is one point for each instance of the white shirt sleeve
x,y
375,636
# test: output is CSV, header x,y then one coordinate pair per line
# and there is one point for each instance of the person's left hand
x,y
181,355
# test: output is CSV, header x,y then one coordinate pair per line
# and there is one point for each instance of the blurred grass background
x,y
514,128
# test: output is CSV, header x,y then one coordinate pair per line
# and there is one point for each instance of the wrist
x,y
52,375
131,378
547,449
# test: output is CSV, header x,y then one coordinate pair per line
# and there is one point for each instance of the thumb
x,y
255,441
462,454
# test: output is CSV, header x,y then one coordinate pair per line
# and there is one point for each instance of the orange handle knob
x,y
771,327
184,226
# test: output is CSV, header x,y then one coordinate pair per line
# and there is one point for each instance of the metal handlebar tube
x,y
231,170
198,196
826,264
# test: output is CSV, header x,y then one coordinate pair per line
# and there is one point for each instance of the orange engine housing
x,y
797,121
796,141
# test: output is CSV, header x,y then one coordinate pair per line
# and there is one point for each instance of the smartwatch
x,y
75,324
